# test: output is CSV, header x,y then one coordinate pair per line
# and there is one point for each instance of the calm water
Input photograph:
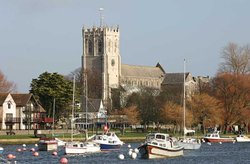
x,y
226,153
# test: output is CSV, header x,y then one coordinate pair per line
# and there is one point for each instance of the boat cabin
x,y
157,137
213,135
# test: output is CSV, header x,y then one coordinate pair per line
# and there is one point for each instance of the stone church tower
x,y
102,58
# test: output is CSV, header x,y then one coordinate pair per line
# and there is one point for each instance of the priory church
x,y
101,57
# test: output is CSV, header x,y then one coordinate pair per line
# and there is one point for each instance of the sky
x,y
45,35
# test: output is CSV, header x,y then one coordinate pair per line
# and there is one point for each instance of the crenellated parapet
x,y
100,29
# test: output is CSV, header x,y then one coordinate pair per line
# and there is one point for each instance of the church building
x,y
102,66
101,58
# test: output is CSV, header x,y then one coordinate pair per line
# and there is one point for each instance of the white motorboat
x,y
160,145
107,141
215,137
242,138
81,147
190,143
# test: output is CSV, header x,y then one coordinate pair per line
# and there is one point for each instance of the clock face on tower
x,y
112,62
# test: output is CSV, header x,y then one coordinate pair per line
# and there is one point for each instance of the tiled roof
x,y
141,71
3,97
174,78
21,99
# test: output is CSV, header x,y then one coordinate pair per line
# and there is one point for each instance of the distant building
x,y
174,82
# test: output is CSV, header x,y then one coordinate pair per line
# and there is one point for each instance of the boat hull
x,y
242,139
219,139
149,151
81,148
110,147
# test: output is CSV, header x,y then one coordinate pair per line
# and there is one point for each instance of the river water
x,y
226,153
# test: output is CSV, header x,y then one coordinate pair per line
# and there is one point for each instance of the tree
x,y
132,114
236,59
53,85
172,113
233,92
5,85
145,100
206,110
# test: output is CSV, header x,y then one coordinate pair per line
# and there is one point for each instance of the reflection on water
x,y
227,153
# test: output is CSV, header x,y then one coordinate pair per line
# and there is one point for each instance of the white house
x,y
7,111
21,111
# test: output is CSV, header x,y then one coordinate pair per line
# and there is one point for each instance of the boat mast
x,y
54,106
86,105
184,98
73,108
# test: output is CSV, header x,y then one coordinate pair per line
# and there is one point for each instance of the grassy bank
x,y
31,139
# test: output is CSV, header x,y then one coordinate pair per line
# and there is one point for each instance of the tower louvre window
x,y
90,47
100,46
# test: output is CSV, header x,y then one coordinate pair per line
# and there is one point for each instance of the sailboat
x,y
80,147
59,142
187,143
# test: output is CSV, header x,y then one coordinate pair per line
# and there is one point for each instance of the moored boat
x,y
107,141
47,144
215,137
190,143
160,145
242,138
81,147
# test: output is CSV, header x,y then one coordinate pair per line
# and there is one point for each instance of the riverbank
x,y
26,137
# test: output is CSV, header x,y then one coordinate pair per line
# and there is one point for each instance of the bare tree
x,y
5,85
236,59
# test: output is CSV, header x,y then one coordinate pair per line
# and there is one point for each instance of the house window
x,y
9,105
9,117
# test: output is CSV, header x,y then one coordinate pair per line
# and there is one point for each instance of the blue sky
x,y
45,35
